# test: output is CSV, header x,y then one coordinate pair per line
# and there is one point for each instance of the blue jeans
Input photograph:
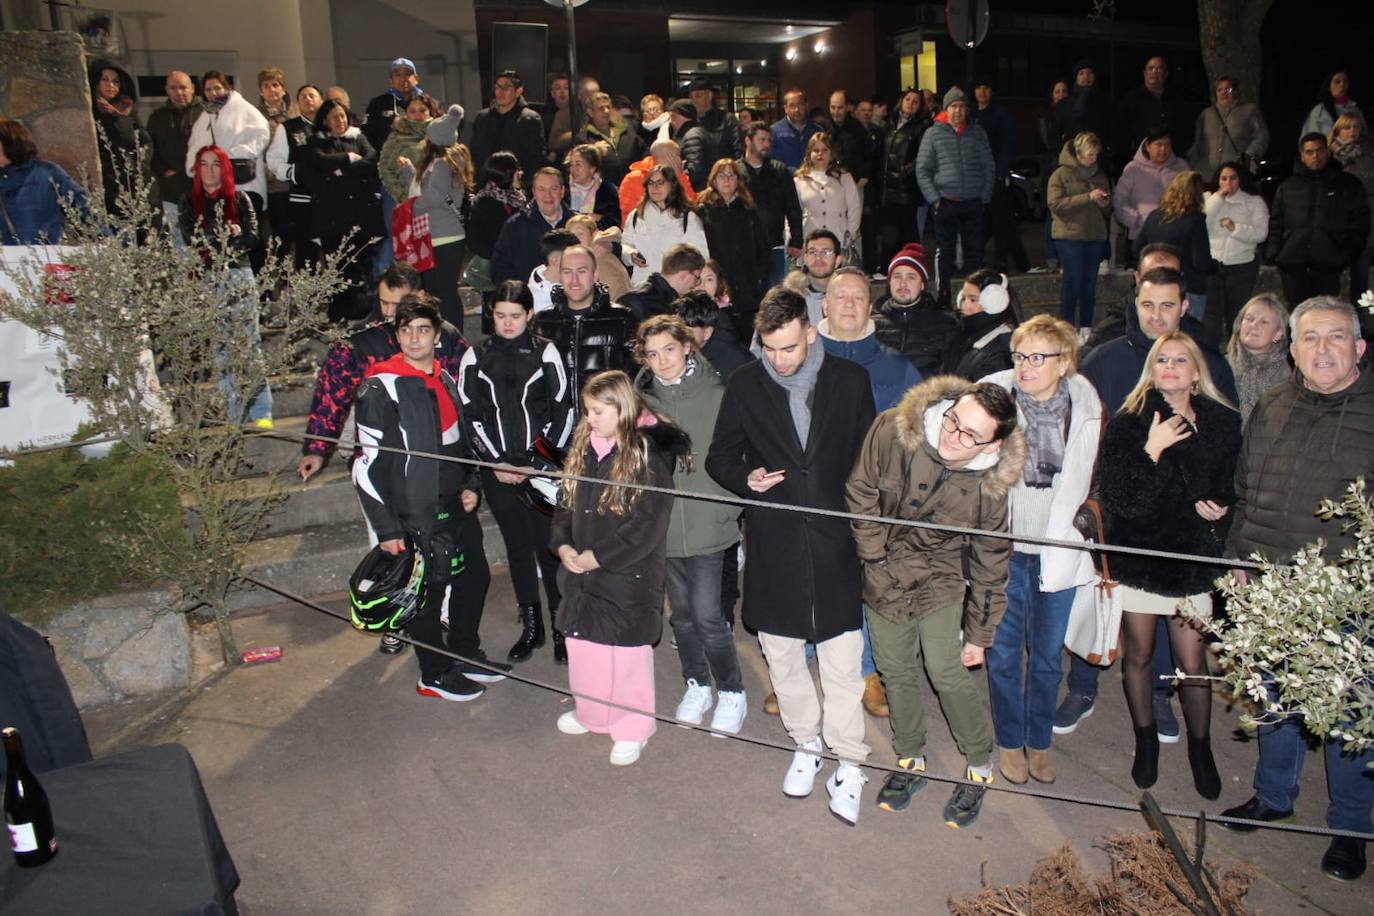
x,y
1083,676
777,265
244,314
1078,291
867,664
384,255
1349,779
1051,252
1023,694
1197,305
705,646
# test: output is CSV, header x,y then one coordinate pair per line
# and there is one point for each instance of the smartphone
x,y
773,473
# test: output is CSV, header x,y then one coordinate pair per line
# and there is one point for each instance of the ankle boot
x,y
531,633
1205,777
560,649
1145,770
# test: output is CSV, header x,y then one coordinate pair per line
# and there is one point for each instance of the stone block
x,y
154,659
110,630
43,73
87,689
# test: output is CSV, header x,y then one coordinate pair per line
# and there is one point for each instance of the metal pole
x,y
574,103
969,45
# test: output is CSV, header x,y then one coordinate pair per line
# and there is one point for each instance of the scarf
x,y
121,106
1044,429
686,374
1257,374
602,446
800,386
511,197
582,197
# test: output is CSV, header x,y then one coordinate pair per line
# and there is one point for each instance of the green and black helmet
x,y
387,590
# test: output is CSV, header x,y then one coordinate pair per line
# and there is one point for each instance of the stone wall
x,y
121,646
43,83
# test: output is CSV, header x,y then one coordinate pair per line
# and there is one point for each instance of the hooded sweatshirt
x,y
1141,188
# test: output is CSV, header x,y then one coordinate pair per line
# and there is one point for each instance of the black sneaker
x,y
898,788
451,685
1255,810
966,802
489,672
391,645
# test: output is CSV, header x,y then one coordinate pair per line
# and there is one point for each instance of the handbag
x,y
245,170
1094,630
410,236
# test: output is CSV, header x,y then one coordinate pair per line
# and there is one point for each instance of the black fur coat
x,y
1152,505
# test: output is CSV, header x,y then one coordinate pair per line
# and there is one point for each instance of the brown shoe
x,y
770,704
1012,763
875,697
1041,764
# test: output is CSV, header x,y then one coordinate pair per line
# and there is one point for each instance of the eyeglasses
x,y
951,425
1035,359
1226,90
820,252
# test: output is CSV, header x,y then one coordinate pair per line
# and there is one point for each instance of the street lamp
x,y
573,101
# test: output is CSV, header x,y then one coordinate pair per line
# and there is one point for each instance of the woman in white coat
x,y
829,197
236,126
1237,224
1061,415
664,218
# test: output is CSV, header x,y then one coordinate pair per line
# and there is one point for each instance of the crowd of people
x,y
681,296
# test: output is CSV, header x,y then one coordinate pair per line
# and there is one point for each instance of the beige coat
x,y
1074,216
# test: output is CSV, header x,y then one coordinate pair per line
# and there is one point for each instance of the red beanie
x,y
912,255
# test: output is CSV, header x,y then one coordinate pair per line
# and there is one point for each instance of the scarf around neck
x,y
800,386
1044,429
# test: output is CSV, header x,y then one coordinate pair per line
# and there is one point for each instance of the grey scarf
x,y
1044,431
1257,374
800,387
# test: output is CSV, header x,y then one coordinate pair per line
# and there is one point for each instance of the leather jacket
x,y
591,340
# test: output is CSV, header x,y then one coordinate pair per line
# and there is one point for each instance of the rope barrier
x,y
1133,807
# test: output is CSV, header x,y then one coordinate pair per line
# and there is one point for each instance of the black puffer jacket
x,y
1145,504
654,296
1319,220
739,242
921,332
1301,447
695,142
899,163
347,194
514,391
982,346
592,340
724,136
621,602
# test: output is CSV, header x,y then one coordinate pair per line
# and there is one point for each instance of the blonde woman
x,y
1061,415
1179,221
829,197
1258,351
1351,147
612,544
1166,476
1080,203
445,175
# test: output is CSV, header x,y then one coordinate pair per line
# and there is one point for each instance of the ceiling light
x,y
791,53
820,47
739,69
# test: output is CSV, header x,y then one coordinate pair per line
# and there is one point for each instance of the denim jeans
x,y
705,646
383,254
778,265
243,316
1078,291
1051,250
1083,676
1023,693
1349,779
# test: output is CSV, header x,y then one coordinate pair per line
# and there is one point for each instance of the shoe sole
x,y
580,729
426,690
1070,729
625,761
1249,828
808,792
684,722
1344,879
1168,739
958,826
727,731
484,677
895,808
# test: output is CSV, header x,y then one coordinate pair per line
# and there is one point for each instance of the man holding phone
x,y
789,429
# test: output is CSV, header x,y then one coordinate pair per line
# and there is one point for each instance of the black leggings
x,y
1190,655
526,533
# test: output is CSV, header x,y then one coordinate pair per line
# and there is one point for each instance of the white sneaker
x,y
845,788
730,710
568,724
624,753
801,775
694,703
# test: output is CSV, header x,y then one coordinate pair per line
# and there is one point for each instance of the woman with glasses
x,y
1229,131
736,236
1166,480
1060,414
664,218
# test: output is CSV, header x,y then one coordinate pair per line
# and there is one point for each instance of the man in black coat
x,y
592,334
169,128
1151,105
509,124
789,429
1000,127
402,83
724,137
516,251
907,317
775,199
1318,224
1086,108
900,196
678,274
693,140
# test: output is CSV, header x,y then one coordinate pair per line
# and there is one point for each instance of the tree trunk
x,y
1230,37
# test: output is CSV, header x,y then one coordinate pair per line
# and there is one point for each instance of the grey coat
x,y
1228,137
955,166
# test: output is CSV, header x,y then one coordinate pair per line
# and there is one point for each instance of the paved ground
x,y
340,791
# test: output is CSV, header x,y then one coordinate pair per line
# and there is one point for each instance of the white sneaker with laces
x,y
801,775
845,788
730,710
568,724
624,753
695,701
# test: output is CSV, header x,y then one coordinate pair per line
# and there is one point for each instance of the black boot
x,y
1145,770
1205,777
560,649
531,633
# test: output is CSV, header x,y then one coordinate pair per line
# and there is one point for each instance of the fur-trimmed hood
x,y
1000,470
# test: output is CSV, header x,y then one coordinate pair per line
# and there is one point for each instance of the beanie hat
x,y
912,255
443,130
955,94
684,108
1084,64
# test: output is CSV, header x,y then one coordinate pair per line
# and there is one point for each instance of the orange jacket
x,y
632,187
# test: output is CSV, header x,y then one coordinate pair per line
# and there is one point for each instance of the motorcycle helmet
x,y
541,493
386,591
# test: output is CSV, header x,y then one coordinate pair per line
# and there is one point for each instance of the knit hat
x,y
443,130
683,107
955,94
1084,64
912,255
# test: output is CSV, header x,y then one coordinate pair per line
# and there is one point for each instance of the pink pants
x,y
620,674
